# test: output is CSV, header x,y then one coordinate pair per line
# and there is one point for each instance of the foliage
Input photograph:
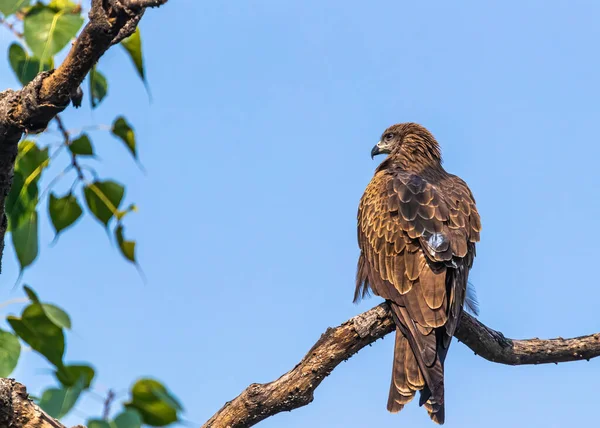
x,y
41,31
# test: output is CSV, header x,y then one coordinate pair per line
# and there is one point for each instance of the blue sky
x,y
256,146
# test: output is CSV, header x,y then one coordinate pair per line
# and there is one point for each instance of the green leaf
x,y
129,418
127,247
10,350
20,202
26,67
31,294
154,403
98,87
64,4
123,130
133,46
98,423
8,7
31,160
39,332
55,314
47,31
57,402
82,146
103,199
70,374
63,211
25,239
22,199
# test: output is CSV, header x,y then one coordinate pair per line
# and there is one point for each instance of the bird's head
x,y
408,144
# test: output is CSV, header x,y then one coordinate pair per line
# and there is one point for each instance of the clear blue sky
x,y
257,146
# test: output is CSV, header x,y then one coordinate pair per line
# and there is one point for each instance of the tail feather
x,y
401,391
437,412
410,373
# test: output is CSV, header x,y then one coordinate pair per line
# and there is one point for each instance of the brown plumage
x,y
417,228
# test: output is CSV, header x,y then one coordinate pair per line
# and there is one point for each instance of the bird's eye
x,y
388,137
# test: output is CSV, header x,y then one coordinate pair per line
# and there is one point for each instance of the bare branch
x,y
493,346
295,388
30,109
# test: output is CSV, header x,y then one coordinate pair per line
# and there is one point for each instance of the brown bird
x,y
417,228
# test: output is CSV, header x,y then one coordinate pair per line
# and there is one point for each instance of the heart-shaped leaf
x,y
47,31
124,132
103,199
154,402
82,146
26,67
64,211
38,331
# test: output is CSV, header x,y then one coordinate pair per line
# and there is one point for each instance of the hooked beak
x,y
380,149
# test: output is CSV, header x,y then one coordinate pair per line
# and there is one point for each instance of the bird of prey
x,y
417,229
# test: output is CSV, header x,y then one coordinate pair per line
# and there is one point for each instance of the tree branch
x,y
295,388
18,411
30,109
132,4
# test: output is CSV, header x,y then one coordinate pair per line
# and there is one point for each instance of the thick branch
x,y
30,109
295,388
18,411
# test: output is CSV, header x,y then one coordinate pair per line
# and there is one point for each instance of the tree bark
x,y
18,411
30,109
295,388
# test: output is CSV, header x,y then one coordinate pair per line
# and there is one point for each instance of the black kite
x,y
417,228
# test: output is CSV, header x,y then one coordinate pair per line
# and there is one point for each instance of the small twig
x,y
67,142
100,127
110,396
62,129
11,27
